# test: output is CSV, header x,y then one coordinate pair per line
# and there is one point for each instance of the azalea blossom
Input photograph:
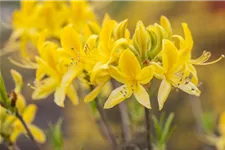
x,y
130,73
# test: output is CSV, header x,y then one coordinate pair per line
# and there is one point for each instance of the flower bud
x,y
141,40
121,30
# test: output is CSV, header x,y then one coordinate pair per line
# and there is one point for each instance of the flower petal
x,y
67,79
14,135
117,74
169,55
190,88
188,36
20,102
129,64
48,70
70,39
142,96
193,71
159,71
165,23
37,133
18,80
145,75
117,96
94,93
29,113
44,88
72,94
221,126
164,90
106,34
99,73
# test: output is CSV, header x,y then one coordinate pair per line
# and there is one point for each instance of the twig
x,y
148,128
25,126
126,130
30,135
125,120
110,134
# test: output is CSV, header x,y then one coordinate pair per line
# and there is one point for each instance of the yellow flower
x,y
108,51
221,142
80,14
130,73
185,49
171,74
60,75
10,125
222,124
218,141
34,16
28,115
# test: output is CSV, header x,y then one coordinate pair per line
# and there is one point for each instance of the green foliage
x,y
136,111
6,101
3,92
208,121
55,135
163,130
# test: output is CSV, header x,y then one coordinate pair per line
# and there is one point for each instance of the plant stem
x,y
125,120
148,128
126,130
30,135
105,125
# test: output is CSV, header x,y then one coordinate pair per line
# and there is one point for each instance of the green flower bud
x,y
121,30
141,40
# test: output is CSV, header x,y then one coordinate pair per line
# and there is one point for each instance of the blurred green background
x,y
207,23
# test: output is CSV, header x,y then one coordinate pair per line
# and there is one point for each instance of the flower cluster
x,y
94,53
11,126
37,16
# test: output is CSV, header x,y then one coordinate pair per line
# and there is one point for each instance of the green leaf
x,y
163,129
208,122
3,92
157,128
167,128
55,135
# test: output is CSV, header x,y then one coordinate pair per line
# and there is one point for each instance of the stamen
x,y
203,58
86,48
31,86
26,66
212,62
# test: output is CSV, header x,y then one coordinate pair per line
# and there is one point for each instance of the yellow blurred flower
x,y
11,126
218,142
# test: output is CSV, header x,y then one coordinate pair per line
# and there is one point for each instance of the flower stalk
x,y
148,128
125,120
106,126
